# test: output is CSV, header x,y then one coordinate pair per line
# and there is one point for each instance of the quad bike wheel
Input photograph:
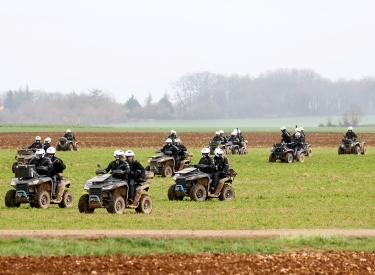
x,y
167,171
42,199
289,157
228,151
227,193
272,158
58,148
309,152
364,151
172,194
76,148
83,205
340,151
301,157
145,204
235,151
67,199
245,152
116,205
148,168
357,150
70,146
198,192
10,199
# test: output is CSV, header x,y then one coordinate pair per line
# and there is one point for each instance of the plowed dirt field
x,y
195,140
206,263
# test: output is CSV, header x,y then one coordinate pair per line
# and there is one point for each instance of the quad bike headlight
x,y
34,182
175,176
108,187
87,185
12,183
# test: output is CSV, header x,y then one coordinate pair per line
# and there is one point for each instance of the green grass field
x,y
310,124
326,191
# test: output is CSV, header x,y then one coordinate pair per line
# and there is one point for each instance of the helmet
x,y
177,140
221,132
205,151
217,133
350,128
40,153
38,138
218,152
173,132
51,150
298,135
297,130
118,153
47,139
168,140
233,133
301,128
68,131
129,153
239,131
282,128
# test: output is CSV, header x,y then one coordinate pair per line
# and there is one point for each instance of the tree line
x,y
202,95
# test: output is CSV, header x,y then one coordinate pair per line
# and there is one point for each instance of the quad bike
x,y
348,146
196,184
65,144
284,153
236,150
35,189
163,164
23,157
111,192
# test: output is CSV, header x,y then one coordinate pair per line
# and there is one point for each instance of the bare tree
x,y
355,114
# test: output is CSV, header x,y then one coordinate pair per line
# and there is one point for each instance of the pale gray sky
x,y
137,47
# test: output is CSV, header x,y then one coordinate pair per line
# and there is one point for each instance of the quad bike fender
x,y
220,185
122,190
204,180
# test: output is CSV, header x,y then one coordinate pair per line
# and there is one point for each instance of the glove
x,y
57,161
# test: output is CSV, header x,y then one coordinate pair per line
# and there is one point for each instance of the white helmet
x,y
47,139
173,132
51,150
40,153
217,133
282,128
298,135
205,151
168,140
297,130
301,128
38,138
129,153
234,133
221,132
68,131
218,152
350,128
177,140
118,153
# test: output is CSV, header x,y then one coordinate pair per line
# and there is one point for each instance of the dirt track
x,y
286,263
195,140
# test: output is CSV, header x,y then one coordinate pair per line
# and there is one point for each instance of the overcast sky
x,y
135,47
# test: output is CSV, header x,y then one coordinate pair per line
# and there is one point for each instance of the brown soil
x,y
195,140
206,263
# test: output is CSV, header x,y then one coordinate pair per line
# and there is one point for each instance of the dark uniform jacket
x,y
181,150
351,135
286,137
210,165
221,163
70,136
46,162
136,170
37,145
172,148
119,165
57,165
46,146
